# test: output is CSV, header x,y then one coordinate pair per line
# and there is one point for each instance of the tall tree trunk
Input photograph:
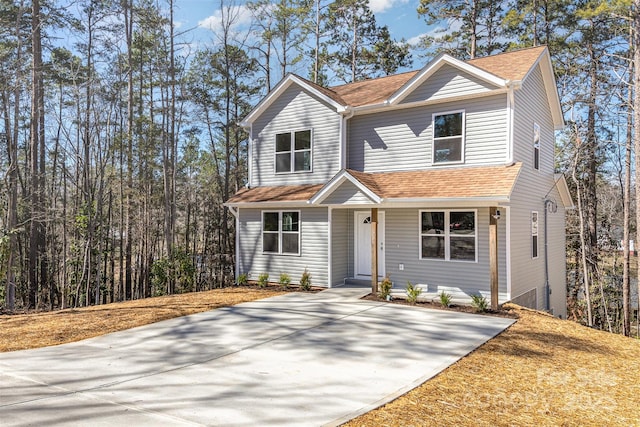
x,y
128,280
37,265
626,298
636,131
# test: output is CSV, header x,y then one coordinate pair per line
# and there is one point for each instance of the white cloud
x,y
379,6
240,15
413,41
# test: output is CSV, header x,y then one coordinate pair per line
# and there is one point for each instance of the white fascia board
x,y
264,205
279,89
450,201
440,203
563,189
338,180
434,66
552,93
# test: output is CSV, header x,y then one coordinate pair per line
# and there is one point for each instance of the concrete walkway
x,y
297,359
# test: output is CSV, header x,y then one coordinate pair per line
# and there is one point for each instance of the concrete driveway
x,y
297,359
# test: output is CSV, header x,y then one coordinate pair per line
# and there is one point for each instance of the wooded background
x,y
120,138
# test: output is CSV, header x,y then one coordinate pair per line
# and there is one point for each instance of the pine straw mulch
x,y
541,371
33,330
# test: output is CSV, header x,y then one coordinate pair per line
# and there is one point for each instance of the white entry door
x,y
362,244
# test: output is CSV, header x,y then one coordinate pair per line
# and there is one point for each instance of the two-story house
x,y
454,163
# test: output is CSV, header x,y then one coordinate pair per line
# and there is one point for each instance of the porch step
x,y
356,283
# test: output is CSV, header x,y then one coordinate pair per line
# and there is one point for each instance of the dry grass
x,y
24,331
542,371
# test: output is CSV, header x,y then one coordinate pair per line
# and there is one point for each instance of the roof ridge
x,y
372,79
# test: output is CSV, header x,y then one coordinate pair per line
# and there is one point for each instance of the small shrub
x,y
263,279
305,280
384,288
479,303
445,299
243,279
284,280
413,292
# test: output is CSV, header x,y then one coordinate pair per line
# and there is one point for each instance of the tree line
x,y
120,136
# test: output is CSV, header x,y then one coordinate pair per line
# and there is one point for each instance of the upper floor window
x,y
281,232
293,152
536,146
448,235
448,137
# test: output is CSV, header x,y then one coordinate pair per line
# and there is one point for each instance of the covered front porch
x,y
403,244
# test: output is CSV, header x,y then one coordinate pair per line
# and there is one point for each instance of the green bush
x,y
479,303
305,280
384,288
243,279
284,280
159,277
263,279
445,299
413,292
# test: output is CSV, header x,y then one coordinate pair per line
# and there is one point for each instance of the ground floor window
x,y
448,235
281,232
534,234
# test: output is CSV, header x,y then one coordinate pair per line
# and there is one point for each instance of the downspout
x,y
236,214
511,87
346,115
549,205
249,155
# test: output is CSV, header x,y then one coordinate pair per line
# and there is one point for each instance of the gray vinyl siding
x,y
448,81
313,248
532,186
341,245
403,247
402,139
295,110
347,194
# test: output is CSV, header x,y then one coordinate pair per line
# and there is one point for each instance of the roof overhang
x,y
268,204
563,189
282,86
551,88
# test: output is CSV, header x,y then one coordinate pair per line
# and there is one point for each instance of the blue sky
x,y
399,15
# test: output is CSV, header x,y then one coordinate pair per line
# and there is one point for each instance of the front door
x,y
363,244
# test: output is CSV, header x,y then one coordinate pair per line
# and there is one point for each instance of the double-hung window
x,y
293,152
281,232
536,146
448,235
448,137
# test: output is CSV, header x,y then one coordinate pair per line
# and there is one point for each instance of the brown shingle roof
x,y
372,91
510,65
465,182
459,183
285,193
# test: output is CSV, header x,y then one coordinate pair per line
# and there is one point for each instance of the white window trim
x,y
447,234
433,138
536,146
280,232
536,233
292,151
